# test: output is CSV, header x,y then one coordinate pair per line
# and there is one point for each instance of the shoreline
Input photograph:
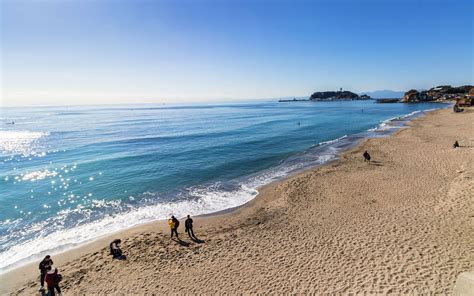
x,y
208,221
341,144
394,124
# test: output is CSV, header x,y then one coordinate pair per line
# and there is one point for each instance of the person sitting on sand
x,y
366,156
42,267
52,278
456,109
115,250
456,145
188,225
174,224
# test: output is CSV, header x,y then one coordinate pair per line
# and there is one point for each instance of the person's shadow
x,y
121,257
375,162
197,240
181,242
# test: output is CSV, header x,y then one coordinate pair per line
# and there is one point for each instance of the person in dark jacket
x,y
52,279
366,156
456,145
188,225
42,267
115,250
176,225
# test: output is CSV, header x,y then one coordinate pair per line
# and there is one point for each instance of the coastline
x,y
314,156
271,197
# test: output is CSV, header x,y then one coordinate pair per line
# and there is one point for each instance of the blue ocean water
x,y
71,174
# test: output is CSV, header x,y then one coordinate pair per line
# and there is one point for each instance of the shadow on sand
x,y
375,162
186,244
197,240
181,242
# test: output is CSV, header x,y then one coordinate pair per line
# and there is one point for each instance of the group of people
x,y
50,275
173,223
188,227
367,157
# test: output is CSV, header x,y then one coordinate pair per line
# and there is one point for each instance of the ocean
x,y
71,174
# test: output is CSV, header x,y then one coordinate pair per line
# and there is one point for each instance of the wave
x,y
206,200
330,141
390,124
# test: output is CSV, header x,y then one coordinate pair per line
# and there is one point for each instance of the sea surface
x,y
71,174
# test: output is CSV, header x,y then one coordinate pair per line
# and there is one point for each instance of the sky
x,y
79,52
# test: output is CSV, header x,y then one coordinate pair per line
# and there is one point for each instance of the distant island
x,y
463,94
337,95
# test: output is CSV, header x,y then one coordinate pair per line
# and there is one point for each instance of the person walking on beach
x,y
188,225
42,267
456,145
366,156
174,224
52,278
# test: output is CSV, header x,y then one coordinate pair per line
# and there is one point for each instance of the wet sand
x,y
400,224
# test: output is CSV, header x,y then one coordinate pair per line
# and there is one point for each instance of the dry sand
x,y
401,224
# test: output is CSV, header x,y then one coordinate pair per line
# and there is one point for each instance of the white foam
x,y
287,168
387,123
332,141
207,201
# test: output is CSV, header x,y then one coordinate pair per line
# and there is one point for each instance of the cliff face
x,y
413,96
438,93
337,95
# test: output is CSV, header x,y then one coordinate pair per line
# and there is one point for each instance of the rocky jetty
x,y
293,100
438,94
337,95
387,101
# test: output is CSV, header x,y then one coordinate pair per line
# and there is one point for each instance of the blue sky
x,y
84,52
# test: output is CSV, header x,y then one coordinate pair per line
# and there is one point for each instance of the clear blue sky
x,y
83,52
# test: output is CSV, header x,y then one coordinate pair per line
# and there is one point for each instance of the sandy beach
x,y
401,224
